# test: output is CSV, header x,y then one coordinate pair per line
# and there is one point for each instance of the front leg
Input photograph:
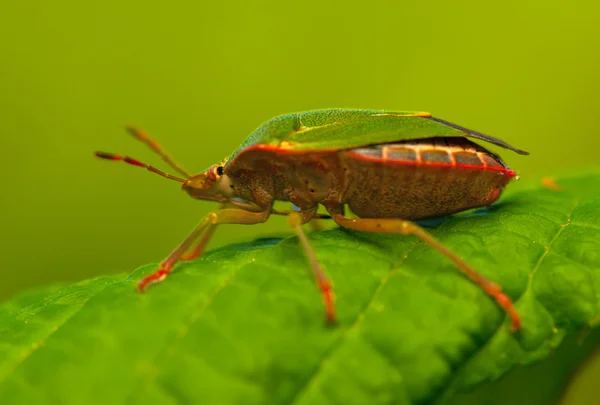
x,y
208,224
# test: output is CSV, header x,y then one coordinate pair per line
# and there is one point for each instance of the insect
x,y
389,168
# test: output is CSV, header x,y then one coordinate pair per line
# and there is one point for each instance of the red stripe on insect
x,y
277,149
508,172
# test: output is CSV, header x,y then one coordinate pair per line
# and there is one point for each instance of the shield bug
x,y
389,168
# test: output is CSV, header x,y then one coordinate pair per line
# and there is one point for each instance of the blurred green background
x,y
200,76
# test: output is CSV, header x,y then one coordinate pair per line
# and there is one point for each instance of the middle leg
x,y
296,219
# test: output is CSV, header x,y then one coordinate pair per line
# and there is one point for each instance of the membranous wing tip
x,y
479,135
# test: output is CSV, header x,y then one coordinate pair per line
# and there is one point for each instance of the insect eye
x,y
220,170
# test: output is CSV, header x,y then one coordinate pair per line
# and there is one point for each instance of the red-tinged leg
x,y
223,216
403,227
197,250
296,220
156,277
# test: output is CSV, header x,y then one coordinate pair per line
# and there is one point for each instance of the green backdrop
x,y
199,77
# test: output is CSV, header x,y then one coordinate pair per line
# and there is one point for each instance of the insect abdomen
x,y
423,178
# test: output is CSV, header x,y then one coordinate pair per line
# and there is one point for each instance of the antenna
x,y
126,159
159,150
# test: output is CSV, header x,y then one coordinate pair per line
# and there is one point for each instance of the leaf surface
x,y
244,324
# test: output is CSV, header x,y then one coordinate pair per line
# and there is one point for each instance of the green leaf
x,y
244,324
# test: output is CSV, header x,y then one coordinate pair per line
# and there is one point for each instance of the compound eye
x,y
220,170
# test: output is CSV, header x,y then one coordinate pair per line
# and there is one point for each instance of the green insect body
x,y
389,168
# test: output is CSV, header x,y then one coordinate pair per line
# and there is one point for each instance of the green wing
x,y
346,129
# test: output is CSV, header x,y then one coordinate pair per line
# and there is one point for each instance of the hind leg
x,y
403,227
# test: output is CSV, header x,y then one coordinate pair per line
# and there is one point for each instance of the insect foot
x,y
153,278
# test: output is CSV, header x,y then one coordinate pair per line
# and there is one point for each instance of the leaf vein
x,y
40,343
588,226
168,351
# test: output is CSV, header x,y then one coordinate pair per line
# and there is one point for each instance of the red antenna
x,y
126,159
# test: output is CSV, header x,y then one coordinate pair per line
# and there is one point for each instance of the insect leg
x,y
403,227
222,216
197,250
296,220
314,225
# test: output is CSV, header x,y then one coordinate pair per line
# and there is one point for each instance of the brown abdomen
x,y
422,178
